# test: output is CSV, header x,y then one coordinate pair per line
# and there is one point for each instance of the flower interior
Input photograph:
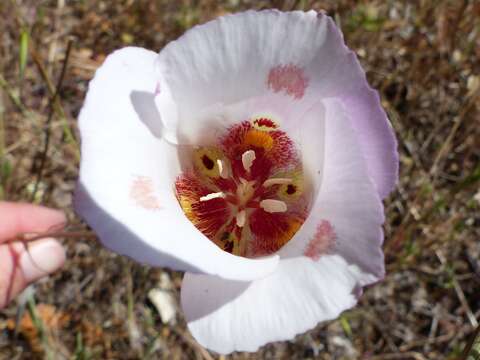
x,y
247,192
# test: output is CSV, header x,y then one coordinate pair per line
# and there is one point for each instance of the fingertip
x,y
18,218
54,217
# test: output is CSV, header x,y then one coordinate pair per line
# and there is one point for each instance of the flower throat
x,y
247,193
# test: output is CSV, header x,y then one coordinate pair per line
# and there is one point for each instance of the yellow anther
x,y
206,161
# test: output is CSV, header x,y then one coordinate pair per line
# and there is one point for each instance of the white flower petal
x,y
295,54
334,254
336,72
209,124
348,199
233,55
307,287
311,129
127,175
227,316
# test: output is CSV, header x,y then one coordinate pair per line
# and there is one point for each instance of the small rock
x,y
473,83
165,283
477,196
346,345
165,303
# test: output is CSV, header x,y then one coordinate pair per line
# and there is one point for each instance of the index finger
x,y
17,218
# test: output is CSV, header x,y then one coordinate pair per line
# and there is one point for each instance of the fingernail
x,y
41,258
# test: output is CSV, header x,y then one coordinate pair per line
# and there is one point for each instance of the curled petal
x,y
348,199
375,135
228,316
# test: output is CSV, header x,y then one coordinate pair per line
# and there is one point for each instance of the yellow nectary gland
x,y
246,194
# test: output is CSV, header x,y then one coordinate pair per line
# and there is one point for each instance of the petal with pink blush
x,y
289,79
142,192
335,253
117,146
255,134
322,242
218,56
347,199
300,55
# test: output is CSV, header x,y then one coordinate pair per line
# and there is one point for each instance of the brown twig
x,y
28,237
12,96
58,107
459,291
473,346
400,356
193,344
53,99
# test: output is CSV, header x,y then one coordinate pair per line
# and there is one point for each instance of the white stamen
x,y
276,181
247,159
273,206
222,169
213,196
241,217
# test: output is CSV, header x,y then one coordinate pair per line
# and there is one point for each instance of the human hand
x,y
22,263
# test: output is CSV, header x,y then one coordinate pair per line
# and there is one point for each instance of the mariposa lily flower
x,y
252,154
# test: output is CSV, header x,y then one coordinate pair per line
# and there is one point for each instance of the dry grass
x,y
423,56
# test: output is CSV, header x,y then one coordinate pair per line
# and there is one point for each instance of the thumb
x,y
42,257
21,265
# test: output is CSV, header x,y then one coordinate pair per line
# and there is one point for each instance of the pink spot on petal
x,y
322,242
289,78
143,194
157,89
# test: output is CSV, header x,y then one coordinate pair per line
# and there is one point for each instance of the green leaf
x,y
5,170
24,38
346,325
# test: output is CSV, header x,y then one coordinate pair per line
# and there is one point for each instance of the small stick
x,y
193,344
16,101
58,107
27,237
49,120
460,294
472,350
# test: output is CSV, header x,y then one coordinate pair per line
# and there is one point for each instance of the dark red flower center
x,y
246,193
